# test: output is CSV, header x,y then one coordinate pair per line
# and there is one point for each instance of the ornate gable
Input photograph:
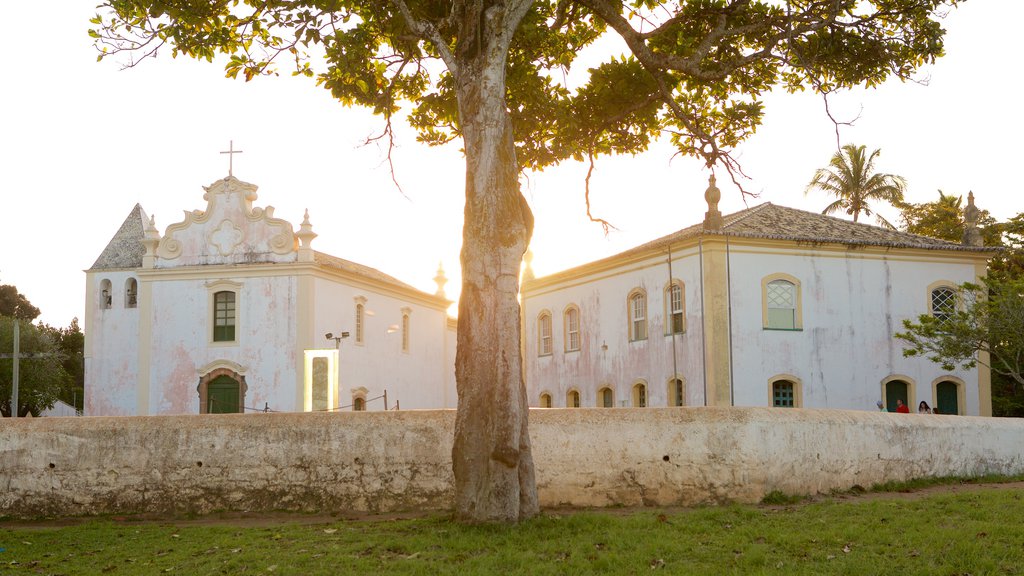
x,y
229,231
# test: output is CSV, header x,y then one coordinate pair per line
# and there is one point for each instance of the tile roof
x,y
782,223
125,249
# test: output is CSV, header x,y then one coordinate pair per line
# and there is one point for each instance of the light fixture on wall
x,y
337,339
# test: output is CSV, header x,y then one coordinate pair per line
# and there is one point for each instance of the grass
x,y
972,532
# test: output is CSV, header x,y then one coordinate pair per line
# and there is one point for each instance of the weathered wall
x,y
388,461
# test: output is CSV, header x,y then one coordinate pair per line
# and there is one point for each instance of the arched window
x,y
405,329
224,316
223,396
572,399
781,302
943,302
571,322
545,400
605,398
785,391
898,387
637,304
675,309
131,293
360,320
948,396
544,333
639,395
676,392
359,404
106,294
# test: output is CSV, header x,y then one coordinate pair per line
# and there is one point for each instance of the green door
x,y
946,401
222,396
897,389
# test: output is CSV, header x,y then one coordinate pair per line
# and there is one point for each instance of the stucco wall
x,y
377,461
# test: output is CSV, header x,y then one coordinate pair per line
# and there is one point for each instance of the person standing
x,y
923,408
901,407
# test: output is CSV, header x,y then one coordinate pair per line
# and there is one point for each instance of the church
x,y
769,306
231,310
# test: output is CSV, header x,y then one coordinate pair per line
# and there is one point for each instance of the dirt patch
x,y
260,519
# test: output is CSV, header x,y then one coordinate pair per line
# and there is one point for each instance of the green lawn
x,y
976,532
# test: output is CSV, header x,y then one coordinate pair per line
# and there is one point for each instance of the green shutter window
x,y
224,317
782,394
222,396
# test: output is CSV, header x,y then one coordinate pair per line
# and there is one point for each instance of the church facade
x,y
231,310
770,306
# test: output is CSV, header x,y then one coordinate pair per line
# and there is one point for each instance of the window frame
x,y
670,313
406,326
637,323
545,400
798,321
571,316
798,390
602,392
573,398
640,394
942,285
545,336
676,398
360,320
219,287
131,292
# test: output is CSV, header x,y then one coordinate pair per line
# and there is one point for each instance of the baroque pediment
x,y
229,231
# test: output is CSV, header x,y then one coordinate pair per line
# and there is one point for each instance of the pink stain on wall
x,y
178,389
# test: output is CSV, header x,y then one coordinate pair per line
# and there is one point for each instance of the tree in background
x,y
14,305
988,318
491,73
852,179
70,344
41,374
944,219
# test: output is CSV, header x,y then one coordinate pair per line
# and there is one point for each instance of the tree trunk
x,y
493,464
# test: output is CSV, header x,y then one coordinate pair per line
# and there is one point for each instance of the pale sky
x,y
82,142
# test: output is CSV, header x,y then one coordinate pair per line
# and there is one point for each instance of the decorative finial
x,y
150,239
440,279
305,236
713,218
231,157
972,236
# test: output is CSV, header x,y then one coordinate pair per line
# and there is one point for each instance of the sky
x,y
83,142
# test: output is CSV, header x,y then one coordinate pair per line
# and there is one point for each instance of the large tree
x,y
490,72
13,304
851,178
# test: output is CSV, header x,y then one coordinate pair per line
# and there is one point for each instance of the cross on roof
x,y
231,156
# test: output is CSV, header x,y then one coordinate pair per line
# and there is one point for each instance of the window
x,y
131,293
545,400
572,329
544,334
224,316
637,315
405,329
781,305
360,320
359,404
640,395
948,392
676,392
782,394
605,398
675,312
943,303
572,399
106,295
785,391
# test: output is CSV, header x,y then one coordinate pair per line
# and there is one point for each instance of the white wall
x,y
391,461
111,353
602,301
853,304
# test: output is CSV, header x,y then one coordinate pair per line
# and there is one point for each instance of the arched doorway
x,y
896,390
223,396
947,397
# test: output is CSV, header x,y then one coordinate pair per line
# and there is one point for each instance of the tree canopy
x,y
944,219
494,74
41,375
14,305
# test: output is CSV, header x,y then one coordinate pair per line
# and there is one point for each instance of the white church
x,y
231,310
769,306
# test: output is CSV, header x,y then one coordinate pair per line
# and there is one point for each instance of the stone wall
x,y
393,461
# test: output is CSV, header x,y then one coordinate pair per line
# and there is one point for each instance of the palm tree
x,y
850,178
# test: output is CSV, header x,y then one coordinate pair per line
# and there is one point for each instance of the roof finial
x,y
440,279
972,236
231,157
713,218
305,236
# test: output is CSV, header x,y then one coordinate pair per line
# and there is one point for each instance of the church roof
x,y
125,249
329,261
774,222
